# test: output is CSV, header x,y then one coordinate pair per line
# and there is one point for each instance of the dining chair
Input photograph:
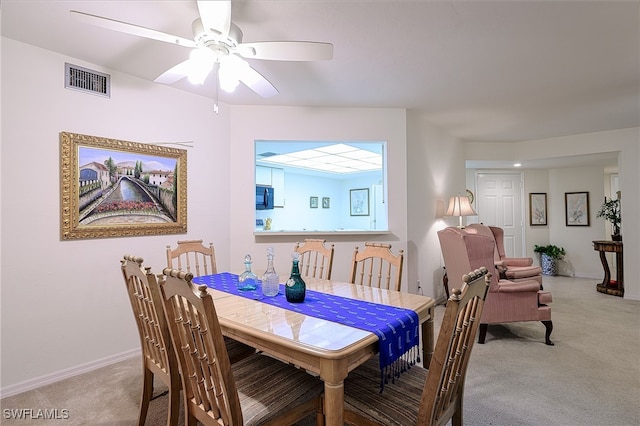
x,y
376,266
316,259
194,257
256,390
158,357
420,396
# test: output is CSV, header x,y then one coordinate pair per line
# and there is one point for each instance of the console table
x,y
607,286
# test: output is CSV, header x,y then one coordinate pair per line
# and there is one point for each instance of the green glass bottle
x,y
296,287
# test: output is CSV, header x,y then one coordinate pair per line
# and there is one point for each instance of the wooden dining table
x,y
328,349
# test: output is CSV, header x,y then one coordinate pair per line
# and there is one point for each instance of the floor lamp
x,y
460,206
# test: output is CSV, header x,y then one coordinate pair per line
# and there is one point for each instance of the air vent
x,y
86,80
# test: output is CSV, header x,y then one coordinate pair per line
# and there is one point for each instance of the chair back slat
x,y
377,266
207,378
192,256
443,391
316,259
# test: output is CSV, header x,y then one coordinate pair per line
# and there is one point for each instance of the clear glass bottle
x,y
295,288
248,280
270,279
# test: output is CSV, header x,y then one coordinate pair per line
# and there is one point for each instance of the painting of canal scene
x,y
113,188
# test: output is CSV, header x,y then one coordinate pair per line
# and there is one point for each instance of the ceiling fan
x,y
217,46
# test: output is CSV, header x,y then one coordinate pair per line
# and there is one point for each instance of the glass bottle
x,y
248,280
270,279
295,288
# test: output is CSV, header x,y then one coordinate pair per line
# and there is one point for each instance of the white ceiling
x,y
496,71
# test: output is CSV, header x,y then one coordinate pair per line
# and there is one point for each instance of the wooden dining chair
x,y
194,257
316,259
377,266
418,396
158,357
256,390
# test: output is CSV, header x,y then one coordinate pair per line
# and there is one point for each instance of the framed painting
x,y
313,202
359,202
326,202
576,206
537,208
114,188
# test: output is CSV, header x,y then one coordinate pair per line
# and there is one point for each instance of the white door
x,y
500,204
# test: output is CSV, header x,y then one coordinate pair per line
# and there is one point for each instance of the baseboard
x,y
65,374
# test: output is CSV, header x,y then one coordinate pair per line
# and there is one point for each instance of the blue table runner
x,y
396,328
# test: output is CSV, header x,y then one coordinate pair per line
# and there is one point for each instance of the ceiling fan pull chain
x,y
216,67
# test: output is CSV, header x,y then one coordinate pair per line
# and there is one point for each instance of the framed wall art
x,y
359,202
326,202
313,202
576,206
537,208
114,188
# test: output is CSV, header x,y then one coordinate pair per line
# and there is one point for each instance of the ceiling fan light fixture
x,y
201,64
231,70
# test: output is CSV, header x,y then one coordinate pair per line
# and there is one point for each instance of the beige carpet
x,y
590,377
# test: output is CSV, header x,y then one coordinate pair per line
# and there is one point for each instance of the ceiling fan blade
x,y
127,28
253,79
256,82
286,50
215,15
175,73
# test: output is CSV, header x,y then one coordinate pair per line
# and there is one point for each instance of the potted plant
x,y
610,211
549,257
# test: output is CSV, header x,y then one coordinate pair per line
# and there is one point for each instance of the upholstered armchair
x,y
507,301
512,268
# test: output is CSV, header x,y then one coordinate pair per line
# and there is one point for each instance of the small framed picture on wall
x,y
359,202
576,205
537,208
313,202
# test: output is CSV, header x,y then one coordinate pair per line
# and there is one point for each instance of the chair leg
x,y
174,407
549,328
147,393
482,334
320,413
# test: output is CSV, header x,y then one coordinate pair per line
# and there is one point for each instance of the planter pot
x,y
616,237
549,265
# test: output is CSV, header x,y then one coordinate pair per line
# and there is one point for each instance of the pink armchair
x,y
512,268
507,301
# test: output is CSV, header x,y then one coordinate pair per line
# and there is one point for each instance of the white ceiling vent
x,y
86,80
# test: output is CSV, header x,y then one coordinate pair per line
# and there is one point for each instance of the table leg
x,y
427,339
607,272
333,373
620,272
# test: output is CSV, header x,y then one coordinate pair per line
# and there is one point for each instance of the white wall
x,y
536,180
581,260
435,172
63,302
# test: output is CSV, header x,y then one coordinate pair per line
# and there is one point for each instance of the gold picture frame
x,y
114,188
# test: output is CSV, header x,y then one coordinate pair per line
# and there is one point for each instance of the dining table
x,y
322,347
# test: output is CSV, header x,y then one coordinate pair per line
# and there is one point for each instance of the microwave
x,y
264,197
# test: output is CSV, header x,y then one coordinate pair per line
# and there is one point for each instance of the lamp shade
x,y
460,206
